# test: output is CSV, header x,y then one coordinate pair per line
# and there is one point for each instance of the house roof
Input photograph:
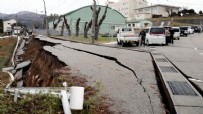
x,y
69,13
163,5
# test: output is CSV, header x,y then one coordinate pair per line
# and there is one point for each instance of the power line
x,y
69,6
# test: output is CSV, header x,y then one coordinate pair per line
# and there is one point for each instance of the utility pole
x,y
93,21
46,21
16,25
151,11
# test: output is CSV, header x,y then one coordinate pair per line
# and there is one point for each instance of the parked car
x,y
128,35
176,33
183,31
190,30
155,35
197,29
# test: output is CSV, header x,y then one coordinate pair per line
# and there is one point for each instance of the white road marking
x,y
196,80
201,53
195,48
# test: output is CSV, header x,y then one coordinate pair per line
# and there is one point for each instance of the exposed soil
x,y
46,70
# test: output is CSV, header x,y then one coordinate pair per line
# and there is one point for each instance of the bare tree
x,y
88,25
67,25
77,27
62,29
97,24
169,10
86,28
56,24
100,23
200,12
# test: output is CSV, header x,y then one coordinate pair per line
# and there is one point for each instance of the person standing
x,y
167,33
171,34
143,35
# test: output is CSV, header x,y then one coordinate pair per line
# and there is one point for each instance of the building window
x,y
147,9
154,8
140,10
112,27
129,25
133,25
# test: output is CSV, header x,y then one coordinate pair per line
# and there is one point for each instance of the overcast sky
x,y
64,6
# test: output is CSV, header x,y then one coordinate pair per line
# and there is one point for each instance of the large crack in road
x,y
124,66
143,88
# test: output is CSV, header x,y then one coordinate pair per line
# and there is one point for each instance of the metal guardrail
x,y
71,99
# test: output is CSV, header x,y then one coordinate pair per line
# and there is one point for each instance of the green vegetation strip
x,y
6,48
100,39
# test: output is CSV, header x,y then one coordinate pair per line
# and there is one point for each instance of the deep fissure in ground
x,y
46,70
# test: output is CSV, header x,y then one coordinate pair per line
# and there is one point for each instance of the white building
x,y
7,25
139,23
126,7
159,9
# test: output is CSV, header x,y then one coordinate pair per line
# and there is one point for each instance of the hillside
x,y
180,21
25,17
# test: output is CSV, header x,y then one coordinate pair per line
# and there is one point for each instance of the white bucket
x,y
77,98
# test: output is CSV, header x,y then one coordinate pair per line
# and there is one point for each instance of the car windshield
x,y
176,30
183,28
157,31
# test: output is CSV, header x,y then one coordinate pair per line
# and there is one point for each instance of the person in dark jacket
x,y
143,35
167,33
171,34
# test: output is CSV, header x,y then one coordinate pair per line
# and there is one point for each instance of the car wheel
x,y
137,43
119,43
122,43
178,38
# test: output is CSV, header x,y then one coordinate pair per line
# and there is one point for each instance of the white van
x,y
176,33
155,35
190,30
127,35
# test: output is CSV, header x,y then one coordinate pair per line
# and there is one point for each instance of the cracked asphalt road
x,y
186,55
129,94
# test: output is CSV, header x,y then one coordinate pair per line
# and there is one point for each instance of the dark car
x,y
197,29
183,31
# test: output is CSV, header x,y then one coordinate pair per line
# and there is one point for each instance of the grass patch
x,y
34,104
6,48
100,39
49,104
